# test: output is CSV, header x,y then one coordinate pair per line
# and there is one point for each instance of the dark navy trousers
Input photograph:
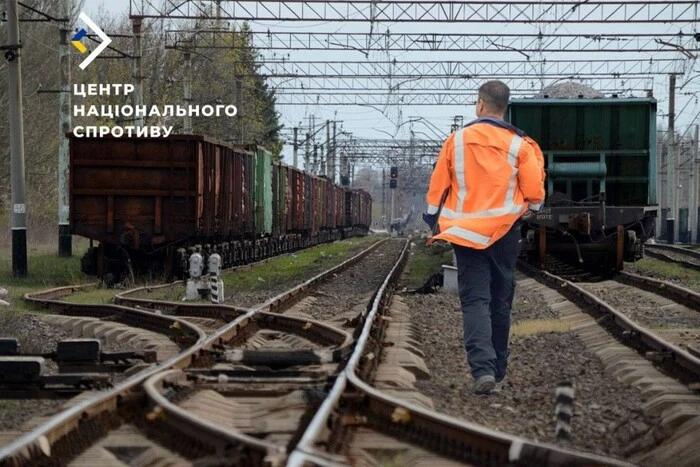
x,y
486,287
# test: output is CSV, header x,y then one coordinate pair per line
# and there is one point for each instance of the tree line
x,y
225,74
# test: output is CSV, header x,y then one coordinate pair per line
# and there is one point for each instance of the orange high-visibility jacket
x,y
493,176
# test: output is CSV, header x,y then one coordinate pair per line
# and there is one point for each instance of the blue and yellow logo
x,y
76,41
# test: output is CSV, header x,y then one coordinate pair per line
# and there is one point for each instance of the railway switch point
x,y
9,346
79,350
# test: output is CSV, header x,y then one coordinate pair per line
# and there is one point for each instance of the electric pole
x,y
137,68
321,170
14,81
239,104
672,183
187,91
333,163
327,171
384,193
315,162
694,187
307,153
65,247
295,151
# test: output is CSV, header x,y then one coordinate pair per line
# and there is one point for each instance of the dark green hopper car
x,y
600,158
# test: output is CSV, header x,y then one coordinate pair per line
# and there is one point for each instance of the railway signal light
x,y
392,183
394,175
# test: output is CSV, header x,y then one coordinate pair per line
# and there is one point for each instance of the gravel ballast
x,y
354,283
607,414
256,297
35,336
14,413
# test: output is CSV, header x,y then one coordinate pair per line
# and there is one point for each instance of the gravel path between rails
x,y
607,414
34,335
359,280
251,298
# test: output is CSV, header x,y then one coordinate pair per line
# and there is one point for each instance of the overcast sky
x,y
371,123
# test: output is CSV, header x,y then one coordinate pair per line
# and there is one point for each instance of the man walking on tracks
x,y
488,175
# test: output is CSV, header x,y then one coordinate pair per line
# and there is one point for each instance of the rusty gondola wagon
x,y
149,202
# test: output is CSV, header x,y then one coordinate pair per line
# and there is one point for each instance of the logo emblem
x,y
76,41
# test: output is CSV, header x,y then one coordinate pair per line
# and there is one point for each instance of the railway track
x,y
355,403
628,330
57,437
683,256
262,389
640,329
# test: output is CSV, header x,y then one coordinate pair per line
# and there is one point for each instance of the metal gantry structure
x,y
281,68
389,151
386,64
531,60
381,99
399,11
455,42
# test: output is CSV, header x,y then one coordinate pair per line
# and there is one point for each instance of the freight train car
x,y
150,202
600,157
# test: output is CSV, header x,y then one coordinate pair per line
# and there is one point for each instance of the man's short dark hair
x,y
495,95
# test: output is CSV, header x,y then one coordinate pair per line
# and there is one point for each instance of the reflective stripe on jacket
x,y
492,174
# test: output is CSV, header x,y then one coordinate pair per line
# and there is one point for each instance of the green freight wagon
x,y
600,158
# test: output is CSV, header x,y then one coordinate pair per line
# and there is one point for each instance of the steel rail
x,y
38,442
125,297
636,332
184,308
127,315
499,448
660,252
305,448
475,441
676,249
274,304
674,292
222,439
